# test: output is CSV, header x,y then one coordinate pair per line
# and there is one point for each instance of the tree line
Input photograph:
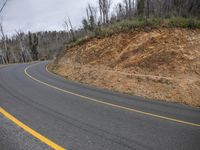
x,y
130,9
33,46
45,45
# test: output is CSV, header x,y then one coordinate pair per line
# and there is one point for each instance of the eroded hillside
x,y
161,64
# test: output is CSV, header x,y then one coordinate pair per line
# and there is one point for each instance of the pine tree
x,y
141,5
33,43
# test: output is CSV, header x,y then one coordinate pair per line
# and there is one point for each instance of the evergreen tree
x,y
85,24
92,23
33,43
140,7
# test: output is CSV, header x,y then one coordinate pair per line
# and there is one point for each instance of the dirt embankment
x,y
161,64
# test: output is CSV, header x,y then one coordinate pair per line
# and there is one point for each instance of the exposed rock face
x,y
162,64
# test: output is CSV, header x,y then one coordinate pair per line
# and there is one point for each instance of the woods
x,y
101,19
24,47
131,9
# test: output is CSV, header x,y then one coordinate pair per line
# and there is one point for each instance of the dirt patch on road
x,y
161,64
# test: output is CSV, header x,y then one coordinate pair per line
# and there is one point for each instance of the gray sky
x,y
38,15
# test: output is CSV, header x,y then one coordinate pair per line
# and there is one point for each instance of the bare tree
x,y
66,25
25,54
90,21
70,28
101,11
147,8
120,12
2,7
104,8
87,12
129,7
91,11
5,51
3,36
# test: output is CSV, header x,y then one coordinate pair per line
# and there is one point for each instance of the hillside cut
x,y
160,64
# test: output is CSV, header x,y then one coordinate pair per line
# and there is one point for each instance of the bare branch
x,y
4,4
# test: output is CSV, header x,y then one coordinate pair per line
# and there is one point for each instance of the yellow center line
x,y
109,104
31,131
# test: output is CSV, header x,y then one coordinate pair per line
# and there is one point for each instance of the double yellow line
x,y
107,103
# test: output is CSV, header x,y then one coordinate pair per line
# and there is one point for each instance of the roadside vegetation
x,y
136,24
131,15
147,48
102,20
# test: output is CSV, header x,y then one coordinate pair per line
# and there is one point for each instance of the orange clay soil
x,y
160,64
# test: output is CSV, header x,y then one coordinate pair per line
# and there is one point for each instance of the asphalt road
x,y
80,117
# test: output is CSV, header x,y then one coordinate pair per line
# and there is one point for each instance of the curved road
x,y
80,117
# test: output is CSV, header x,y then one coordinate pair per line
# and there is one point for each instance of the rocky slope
x,y
161,64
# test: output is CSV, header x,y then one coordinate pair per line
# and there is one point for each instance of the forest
x,y
101,20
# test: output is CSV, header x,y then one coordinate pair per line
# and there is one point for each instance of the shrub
x,y
131,24
178,22
191,23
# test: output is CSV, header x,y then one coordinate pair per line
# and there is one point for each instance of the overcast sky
x,y
38,15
